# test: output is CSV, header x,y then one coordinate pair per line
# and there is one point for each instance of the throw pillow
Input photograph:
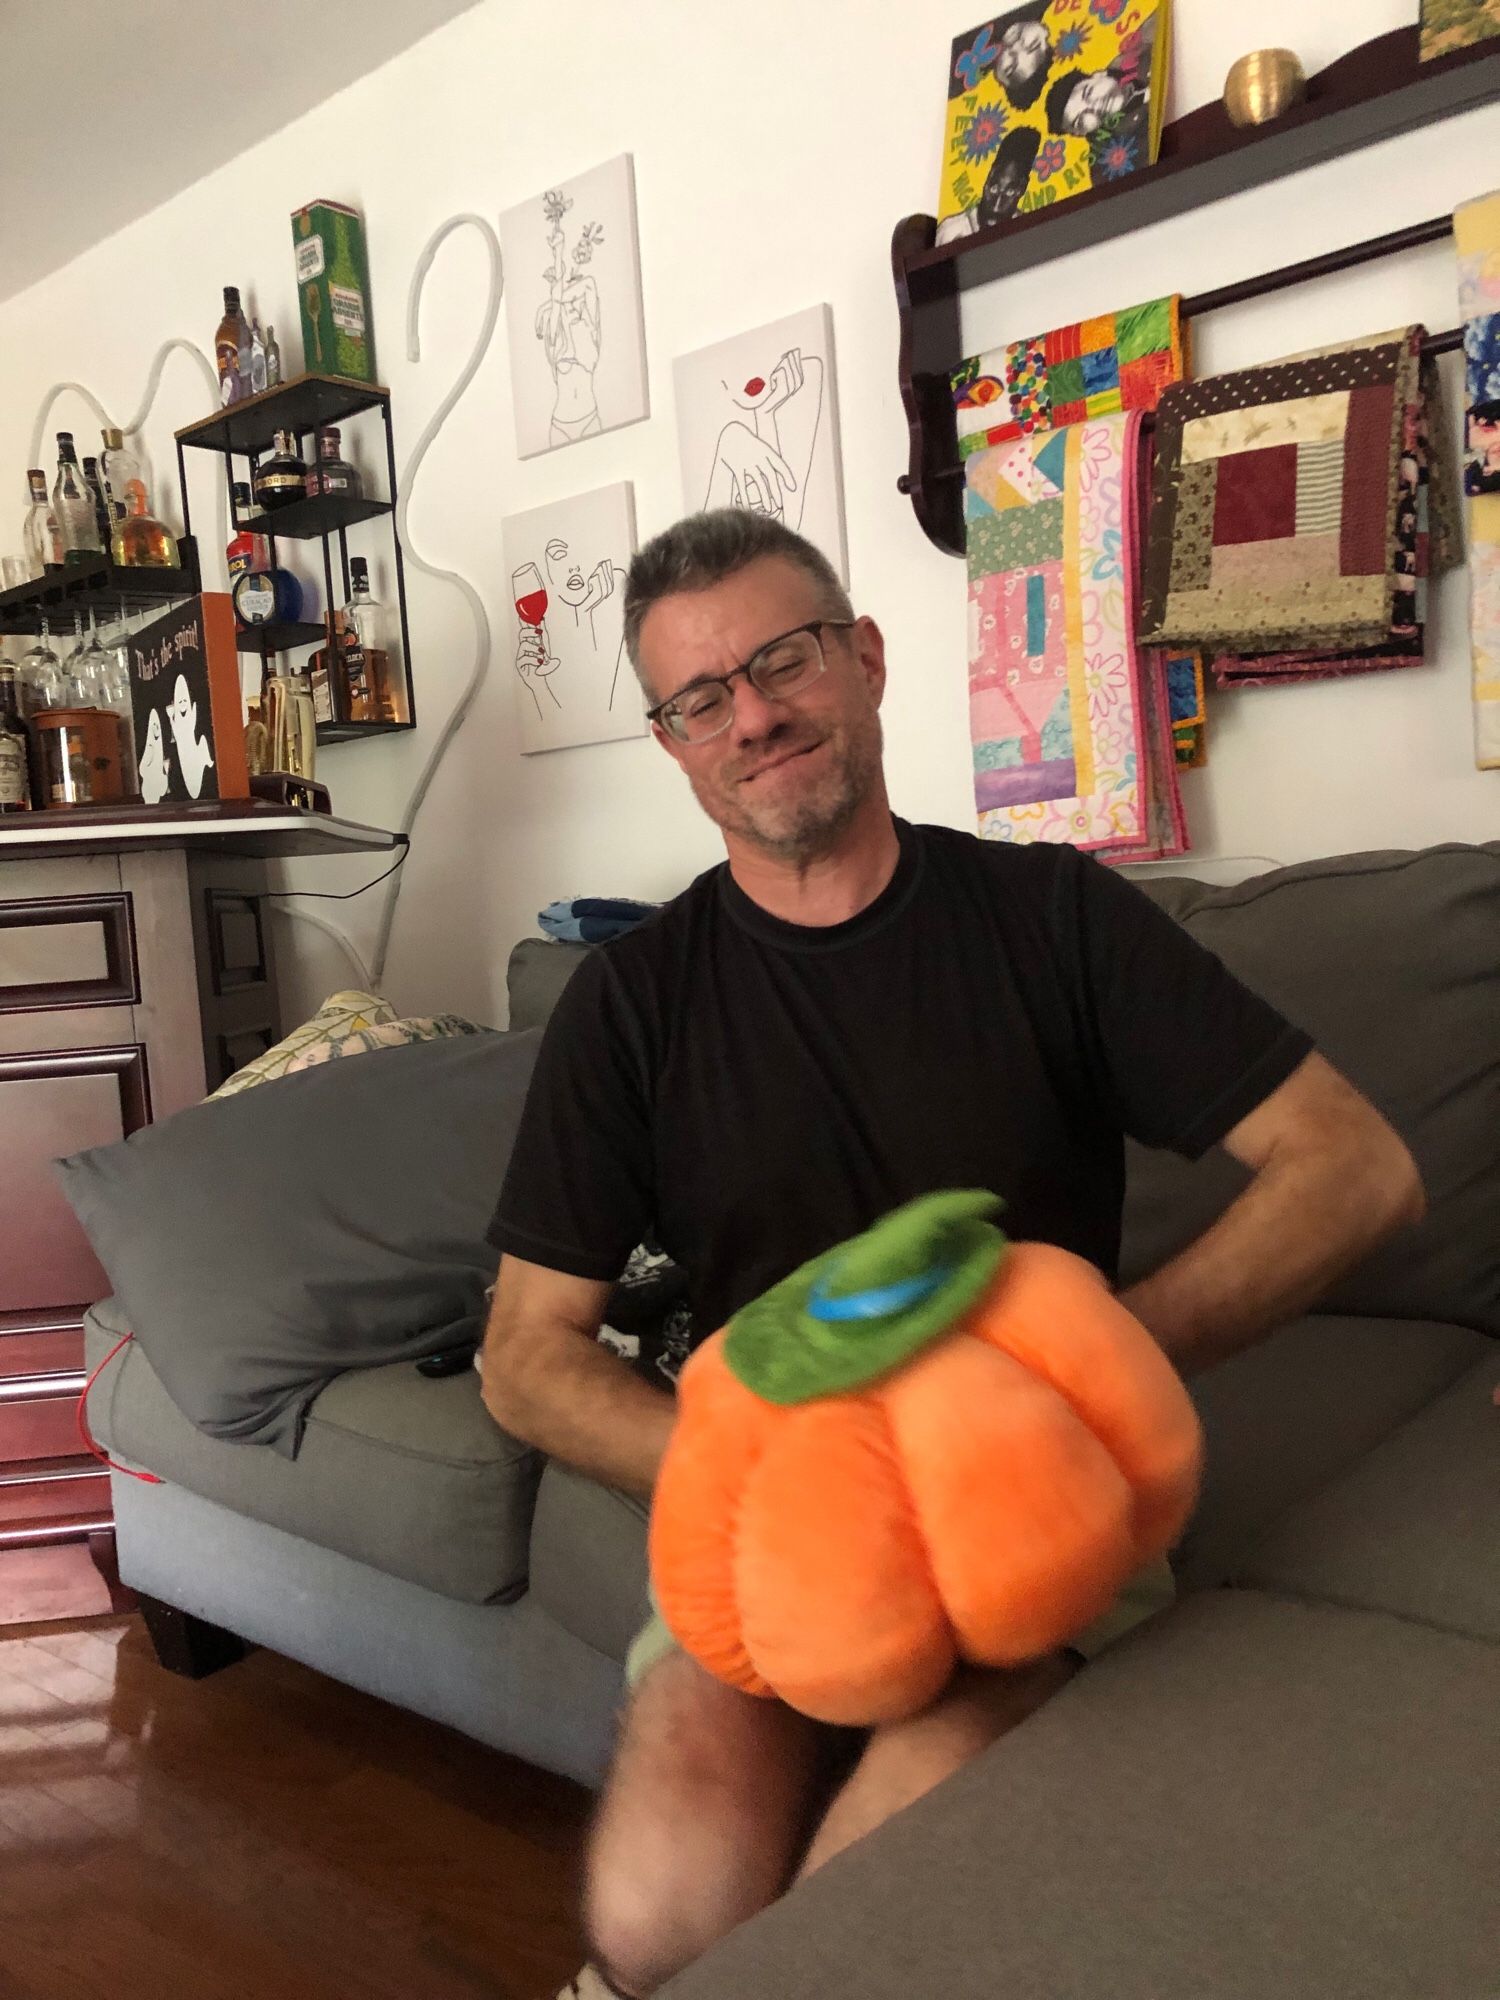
x,y
342,1014
264,1243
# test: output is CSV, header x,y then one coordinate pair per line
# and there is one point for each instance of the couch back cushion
x,y
537,972
1392,961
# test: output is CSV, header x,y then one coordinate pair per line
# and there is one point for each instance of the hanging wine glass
x,y
42,674
90,667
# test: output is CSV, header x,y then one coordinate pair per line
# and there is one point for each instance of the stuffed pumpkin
x,y
928,1446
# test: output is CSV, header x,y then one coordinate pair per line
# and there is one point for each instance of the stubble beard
x,y
802,825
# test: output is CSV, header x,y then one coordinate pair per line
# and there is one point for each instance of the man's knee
x,y
636,1939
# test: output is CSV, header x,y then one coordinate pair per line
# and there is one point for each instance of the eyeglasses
x,y
783,667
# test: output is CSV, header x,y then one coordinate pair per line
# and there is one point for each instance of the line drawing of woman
x,y
569,325
763,456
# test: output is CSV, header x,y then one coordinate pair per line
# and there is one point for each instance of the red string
x,y
148,1478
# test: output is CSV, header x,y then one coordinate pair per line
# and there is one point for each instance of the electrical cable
x,y
471,596
343,895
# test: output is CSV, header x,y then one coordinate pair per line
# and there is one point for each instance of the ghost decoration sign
x,y
185,703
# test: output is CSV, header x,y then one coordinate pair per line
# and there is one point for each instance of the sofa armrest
x,y
588,1559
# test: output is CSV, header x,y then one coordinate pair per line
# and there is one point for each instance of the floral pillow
x,y
347,1024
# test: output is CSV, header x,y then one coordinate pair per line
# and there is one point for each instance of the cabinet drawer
x,y
42,1427
53,1489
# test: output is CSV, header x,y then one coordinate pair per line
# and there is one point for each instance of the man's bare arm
x,y
1332,1180
549,1382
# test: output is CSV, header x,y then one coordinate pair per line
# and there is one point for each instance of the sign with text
x,y
185,702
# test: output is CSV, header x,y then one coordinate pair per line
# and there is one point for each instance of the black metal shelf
x,y
279,635
356,732
309,520
300,405
99,586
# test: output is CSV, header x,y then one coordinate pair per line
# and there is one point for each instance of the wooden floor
x,y
264,1832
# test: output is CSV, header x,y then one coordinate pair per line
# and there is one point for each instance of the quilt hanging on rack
x,y
1092,368
1071,724
1284,520
1476,230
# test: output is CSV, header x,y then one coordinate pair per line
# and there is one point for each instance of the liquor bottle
x,y
121,468
17,754
257,742
265,594
103,517
331,474
232,349
141,541
246,550
372,683
39,535
257,358
273,359
324,682
281,479
290,723
73,504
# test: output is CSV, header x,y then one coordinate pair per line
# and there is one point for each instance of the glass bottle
x,y
122,468
280,479
232,349
257,358
39,536
257,742
110,680
73,505
331,473
17,751
290,723
373,686
324,679
273,359
103,515
141,541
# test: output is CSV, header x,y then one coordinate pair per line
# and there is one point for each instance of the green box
x,y
333,291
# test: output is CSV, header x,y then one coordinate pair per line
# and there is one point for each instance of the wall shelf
x,y
101,587
356,732
1377,91
279,635
300,405
306,520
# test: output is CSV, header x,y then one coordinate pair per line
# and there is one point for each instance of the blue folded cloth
x,y
592,919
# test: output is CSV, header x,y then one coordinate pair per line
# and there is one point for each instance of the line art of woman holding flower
x,y
568,325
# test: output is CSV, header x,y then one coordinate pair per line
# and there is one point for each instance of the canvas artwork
x,y
566,563
1455,24
573,309
757,426
1047,100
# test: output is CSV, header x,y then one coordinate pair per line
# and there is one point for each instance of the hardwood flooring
x,y
265,1834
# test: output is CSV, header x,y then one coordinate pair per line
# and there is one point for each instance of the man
x,y
1079,103
850,1012
1024,55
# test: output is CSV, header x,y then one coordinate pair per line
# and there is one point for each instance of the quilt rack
x,y
1373,93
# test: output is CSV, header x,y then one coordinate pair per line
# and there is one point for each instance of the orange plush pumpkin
x,y
928,1446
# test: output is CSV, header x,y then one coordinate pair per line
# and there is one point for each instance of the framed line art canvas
x,y
566,565
573,309
1048,99
758,427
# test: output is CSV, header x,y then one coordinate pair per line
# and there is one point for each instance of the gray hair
x,y
703,549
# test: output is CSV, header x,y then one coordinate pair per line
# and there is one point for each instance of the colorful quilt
x,y
1058,693
1476,228
1276,523
1093,368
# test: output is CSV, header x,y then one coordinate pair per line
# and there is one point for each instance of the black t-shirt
x,y
752,1091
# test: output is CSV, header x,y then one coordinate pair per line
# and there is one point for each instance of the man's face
x,y
565,571
785,776
1091,102
1024,49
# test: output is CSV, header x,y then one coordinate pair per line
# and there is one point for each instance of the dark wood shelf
x,y
279,635
356,732
98,586
1377,91
308,520
300,405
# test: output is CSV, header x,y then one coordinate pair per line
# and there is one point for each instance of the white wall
x,y
774,150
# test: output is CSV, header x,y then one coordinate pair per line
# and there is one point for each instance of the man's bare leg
x,y
904,1760
707,1808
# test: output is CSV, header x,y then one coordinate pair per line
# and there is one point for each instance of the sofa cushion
x,y
1286,1417
1246,1798
263,1244
588,1559
410,1475
1392,961
1414,1528
538,970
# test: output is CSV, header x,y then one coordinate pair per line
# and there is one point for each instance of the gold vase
x,y
1263,85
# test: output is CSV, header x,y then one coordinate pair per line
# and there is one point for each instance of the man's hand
x,y
546,1379
1331,1181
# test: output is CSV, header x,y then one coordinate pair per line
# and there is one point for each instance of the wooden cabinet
x,y
133,980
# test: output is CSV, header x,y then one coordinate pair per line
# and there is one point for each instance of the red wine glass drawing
x,y
535,660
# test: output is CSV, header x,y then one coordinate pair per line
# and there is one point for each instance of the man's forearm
x,y
577,1401
1300,1224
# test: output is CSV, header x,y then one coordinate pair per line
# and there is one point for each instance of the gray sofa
x,y
1287,1784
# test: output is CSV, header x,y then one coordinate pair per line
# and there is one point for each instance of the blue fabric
x,y
592,919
